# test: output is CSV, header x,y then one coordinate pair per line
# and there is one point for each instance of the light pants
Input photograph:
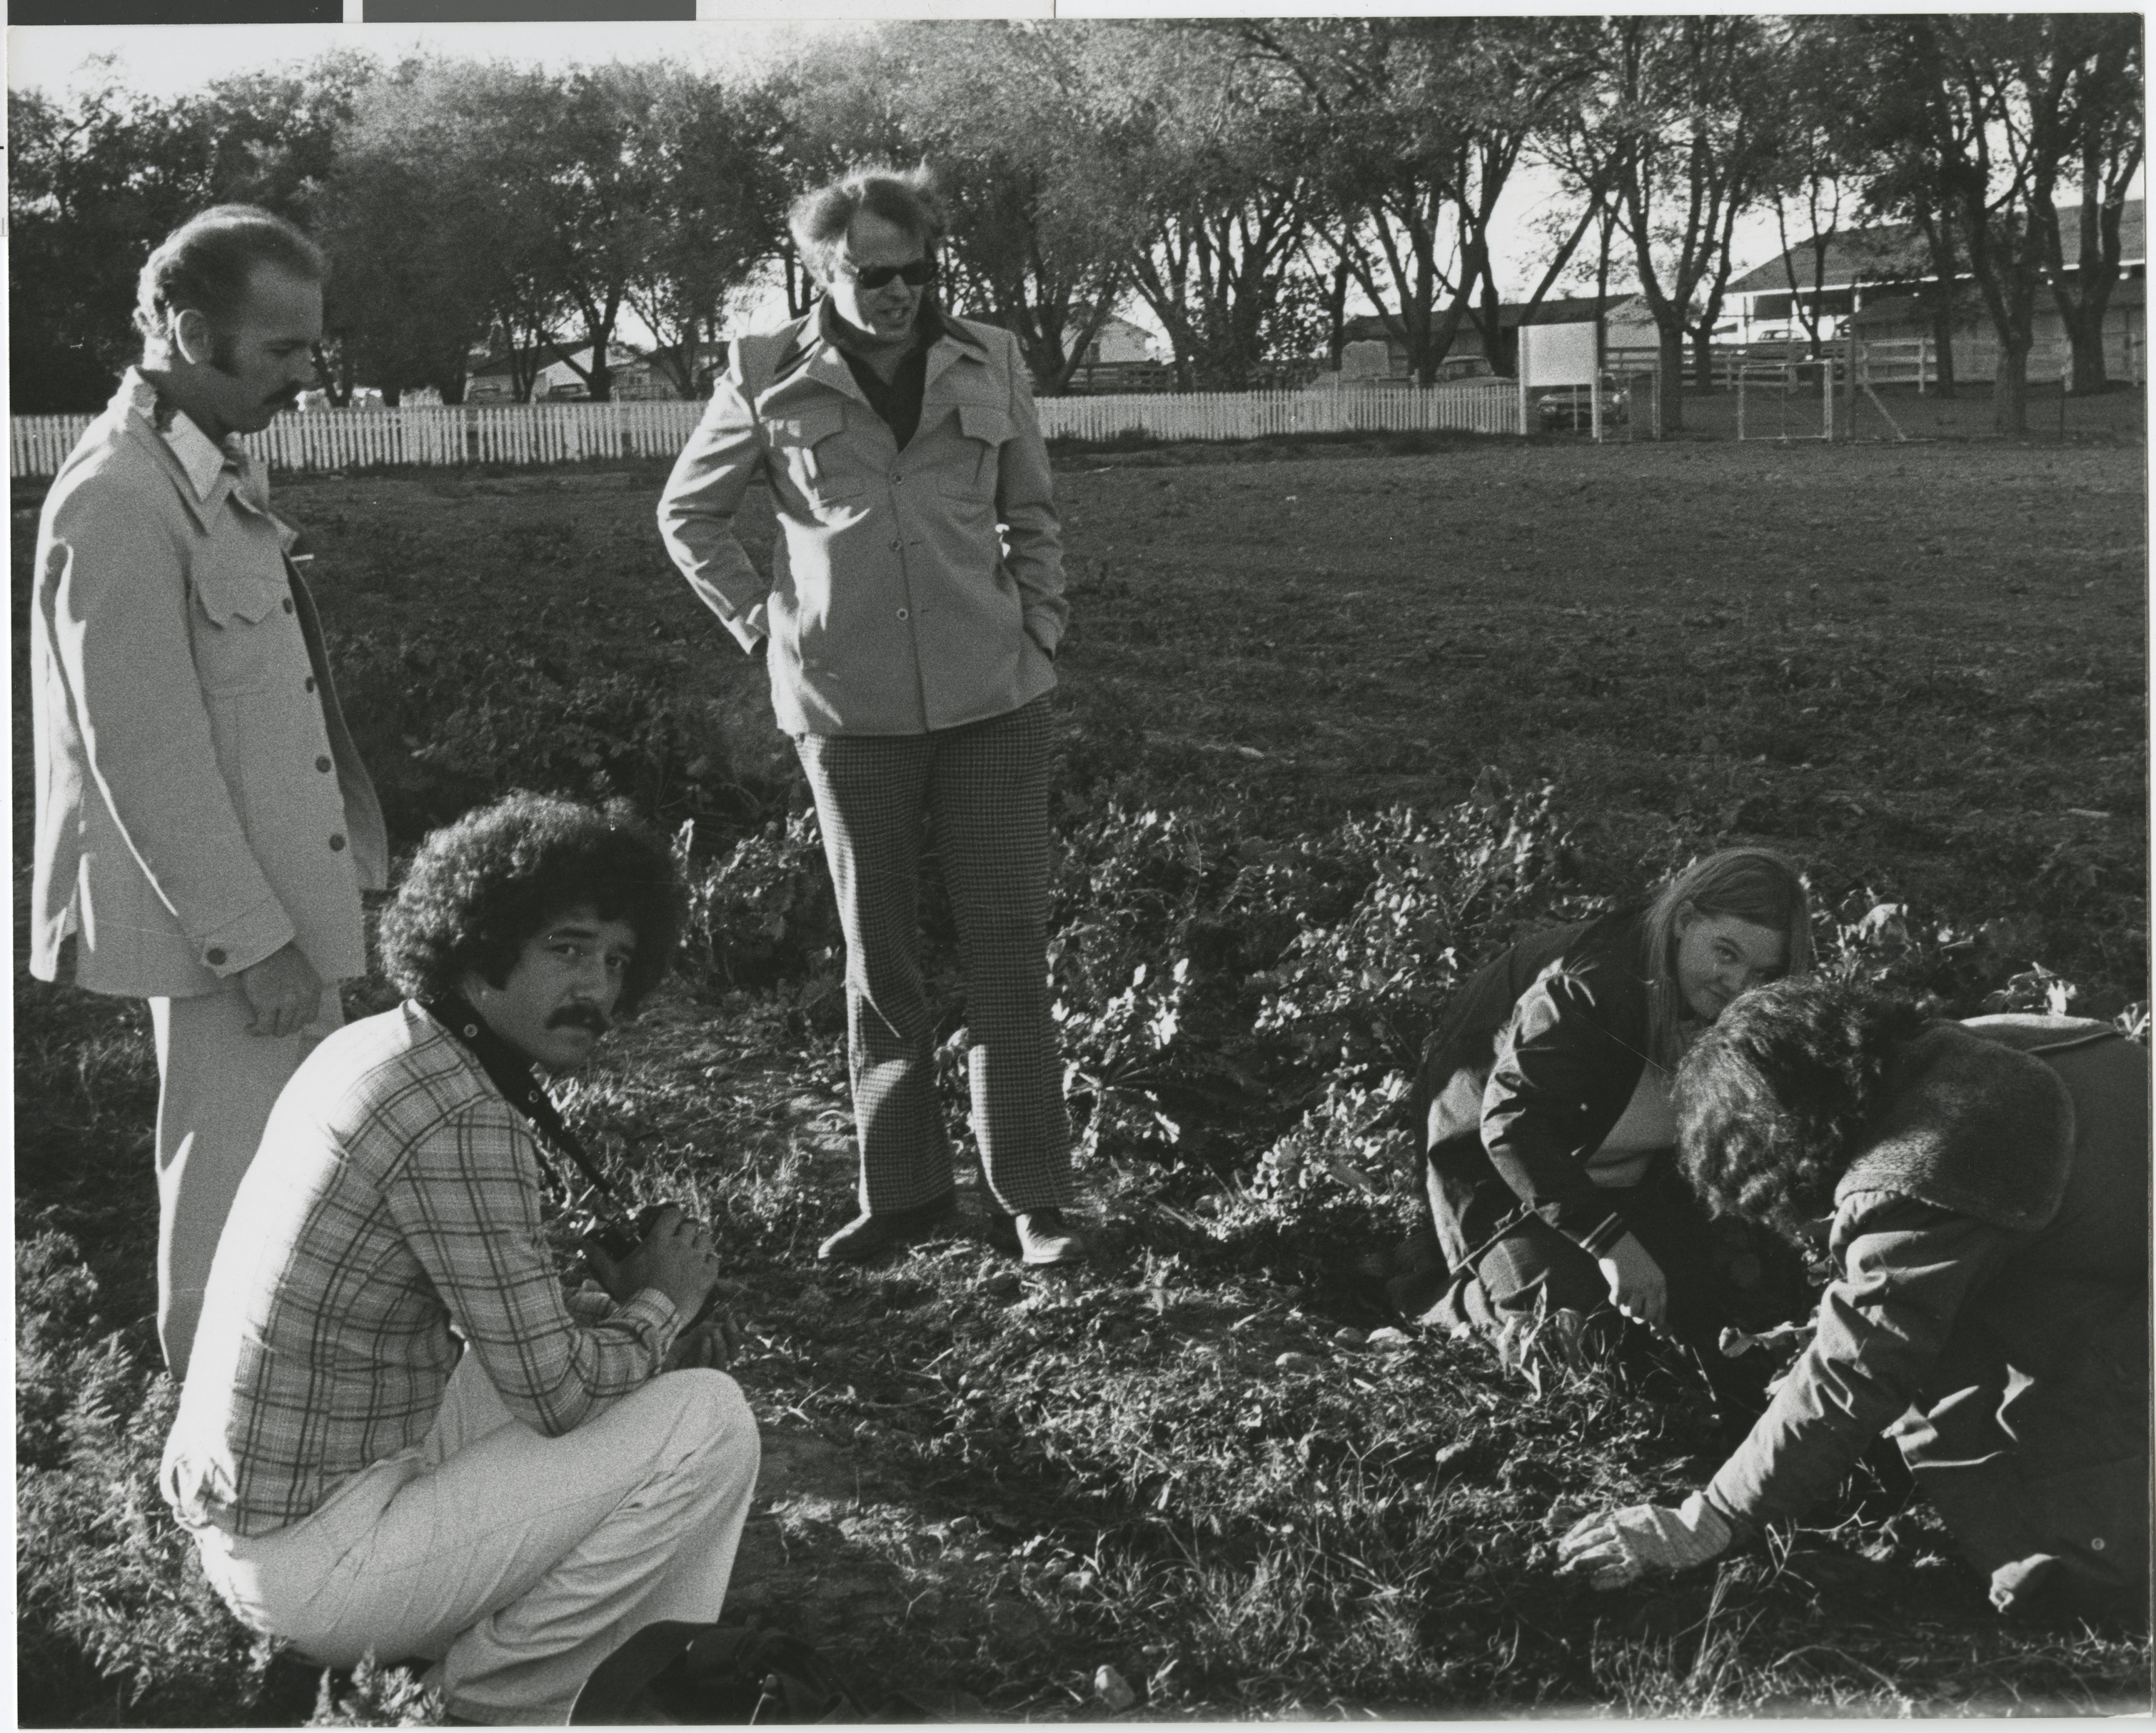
x,y
514,1562
216,1086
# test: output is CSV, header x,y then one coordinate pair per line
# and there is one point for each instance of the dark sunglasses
x,y
915,274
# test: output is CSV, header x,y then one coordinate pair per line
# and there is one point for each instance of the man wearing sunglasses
x,y
911,621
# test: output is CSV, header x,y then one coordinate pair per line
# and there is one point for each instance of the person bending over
x,y
398,1435
1544,1106
1983,1190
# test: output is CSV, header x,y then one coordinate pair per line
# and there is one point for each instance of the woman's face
x,y
1719,956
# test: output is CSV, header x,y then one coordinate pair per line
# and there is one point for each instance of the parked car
x,y
1456,368
1570,409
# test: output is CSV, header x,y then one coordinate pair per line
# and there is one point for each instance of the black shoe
x,y
617,1692
867,1235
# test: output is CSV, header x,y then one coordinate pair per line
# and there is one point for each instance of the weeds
x,y
1198,1461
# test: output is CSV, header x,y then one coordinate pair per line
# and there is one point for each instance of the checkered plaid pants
x,y
983,791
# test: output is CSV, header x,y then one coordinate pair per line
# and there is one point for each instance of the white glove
x,y
1620,1547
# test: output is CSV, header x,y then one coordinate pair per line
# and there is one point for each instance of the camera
x,y
618,1240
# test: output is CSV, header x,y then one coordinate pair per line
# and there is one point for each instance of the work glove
x,y
1618,1548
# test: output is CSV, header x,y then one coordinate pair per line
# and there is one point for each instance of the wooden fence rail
x,y
536,435
1891,361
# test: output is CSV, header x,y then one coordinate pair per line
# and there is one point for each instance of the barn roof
x,y
1887,251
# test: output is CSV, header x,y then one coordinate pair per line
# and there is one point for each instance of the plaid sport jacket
x,y
394,1208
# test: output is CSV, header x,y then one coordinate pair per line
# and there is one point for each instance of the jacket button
x,y
896,546
322,764
901,614
2096,1544
337,842
288,605
215,959
310,682
895,480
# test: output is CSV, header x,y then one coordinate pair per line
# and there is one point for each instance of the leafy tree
x,y
1815,173
1980,116
435,232
596,196
712,153
1898,178
1421,124
272,138
2102,121
103,174
1677,119
1221,175
98,177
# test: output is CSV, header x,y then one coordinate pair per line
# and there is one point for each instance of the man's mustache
x,y
580,1016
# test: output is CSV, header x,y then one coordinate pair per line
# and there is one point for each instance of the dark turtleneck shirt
x,y
897,400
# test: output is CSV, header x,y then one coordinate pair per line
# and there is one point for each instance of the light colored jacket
x,y
909,590
200,803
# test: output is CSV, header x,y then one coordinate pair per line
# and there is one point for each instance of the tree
x,y
101,176
2101,124
97,178
1675,119
1421,122
434,233
272,138
711,151
1220,175
1811,170
598,196
1982,114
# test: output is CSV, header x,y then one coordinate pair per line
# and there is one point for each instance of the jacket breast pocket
x,y
807,447
244,637
983,431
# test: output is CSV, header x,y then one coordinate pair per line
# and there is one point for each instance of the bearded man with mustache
x,y
402,1435
205,826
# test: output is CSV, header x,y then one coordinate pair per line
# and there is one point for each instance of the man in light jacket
x,y
205,826
911,622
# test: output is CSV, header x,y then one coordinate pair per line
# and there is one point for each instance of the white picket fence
x,y
1488,407
532,435
524,434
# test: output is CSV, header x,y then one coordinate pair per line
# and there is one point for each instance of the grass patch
x,y
1334,726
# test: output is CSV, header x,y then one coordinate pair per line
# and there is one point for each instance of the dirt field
x,y
1919,669
1922,669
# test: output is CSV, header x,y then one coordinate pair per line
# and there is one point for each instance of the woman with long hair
x,y
1544,1104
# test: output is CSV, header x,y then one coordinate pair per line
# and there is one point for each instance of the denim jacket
x,y
910,590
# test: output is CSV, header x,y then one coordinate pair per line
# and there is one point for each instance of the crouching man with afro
x,y
400,1435
1981,1190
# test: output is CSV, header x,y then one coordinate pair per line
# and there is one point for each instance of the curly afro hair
x,y
1773,1099
480,889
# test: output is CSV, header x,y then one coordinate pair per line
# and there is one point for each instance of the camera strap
x,y
509,1071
